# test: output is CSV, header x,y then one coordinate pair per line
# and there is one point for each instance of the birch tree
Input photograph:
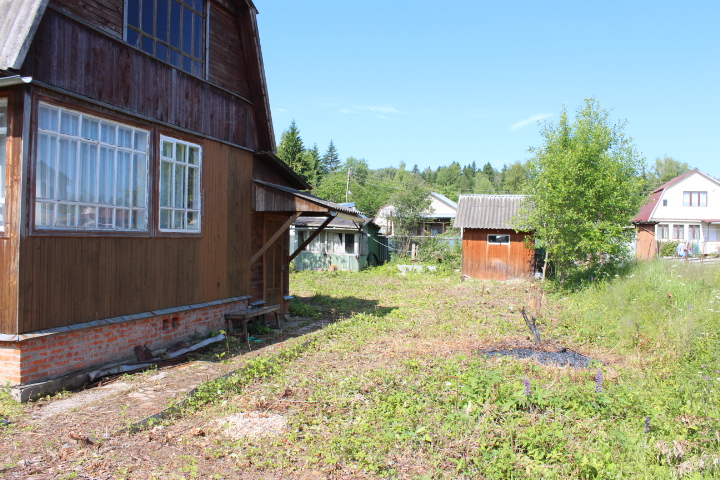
x,y
585,186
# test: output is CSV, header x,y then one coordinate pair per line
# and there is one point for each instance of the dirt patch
x,y
252,425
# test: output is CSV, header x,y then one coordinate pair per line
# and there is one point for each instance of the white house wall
x,y
674,196
440,209
676,216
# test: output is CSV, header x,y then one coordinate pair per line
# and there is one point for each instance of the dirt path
x,y
47,440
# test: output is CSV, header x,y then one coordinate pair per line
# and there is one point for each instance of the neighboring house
x,y
437,219
685,209
139,196
491,248
348,245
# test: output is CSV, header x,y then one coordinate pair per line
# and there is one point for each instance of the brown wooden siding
x,y
10,238
500,262
106,15
68,55
646,243
268,199
257,280
74,279
227,58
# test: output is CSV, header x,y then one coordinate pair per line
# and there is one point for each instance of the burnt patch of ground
x,y
562,357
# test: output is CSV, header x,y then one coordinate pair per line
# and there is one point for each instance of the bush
x,y
669,248
439,251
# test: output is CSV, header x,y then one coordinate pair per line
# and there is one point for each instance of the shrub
x,y
669,248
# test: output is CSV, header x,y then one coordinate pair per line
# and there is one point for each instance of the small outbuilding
x,y
491,247
340,244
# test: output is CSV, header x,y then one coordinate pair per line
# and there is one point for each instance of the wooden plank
x,y
310,239
275,236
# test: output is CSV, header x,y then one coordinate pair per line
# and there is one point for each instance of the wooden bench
x,y
243,316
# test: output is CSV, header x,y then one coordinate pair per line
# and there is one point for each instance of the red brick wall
x,y
57,354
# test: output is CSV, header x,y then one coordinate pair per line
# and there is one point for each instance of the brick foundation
x,y
52,353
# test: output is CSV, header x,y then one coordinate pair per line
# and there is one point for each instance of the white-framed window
x,y
663,231
3,158
91,173
170,30
499,239
180,177
694,199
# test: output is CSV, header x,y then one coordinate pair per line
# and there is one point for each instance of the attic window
x,y
694,199
170,30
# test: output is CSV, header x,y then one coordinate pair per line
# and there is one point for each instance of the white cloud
x,y
377,108
380,109
530,120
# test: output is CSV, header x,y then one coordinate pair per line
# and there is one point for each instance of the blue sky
x,y
429,83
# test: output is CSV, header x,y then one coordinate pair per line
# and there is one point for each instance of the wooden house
x,y
491,247
684,210
344,244
140,199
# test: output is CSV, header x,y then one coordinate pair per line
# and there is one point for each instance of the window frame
x,y
173,137
498,235
678,228
196,57
689,196
82,111
663,231
4,228
354,244
694,232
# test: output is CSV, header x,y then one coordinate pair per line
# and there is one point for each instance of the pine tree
x,y
291,148
331,160
310,166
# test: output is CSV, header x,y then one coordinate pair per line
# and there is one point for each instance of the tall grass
x,y
666,308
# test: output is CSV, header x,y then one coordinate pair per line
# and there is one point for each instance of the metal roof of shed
x,y
487,211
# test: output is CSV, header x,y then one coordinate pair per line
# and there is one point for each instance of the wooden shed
x,y
140,199
491,247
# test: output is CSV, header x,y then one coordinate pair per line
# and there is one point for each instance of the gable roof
x,y
444,199
19,19
646,211
488,211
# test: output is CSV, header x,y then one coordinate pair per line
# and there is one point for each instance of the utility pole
x,y
347,186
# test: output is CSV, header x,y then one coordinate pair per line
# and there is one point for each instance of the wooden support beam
x,y
275,236
310,238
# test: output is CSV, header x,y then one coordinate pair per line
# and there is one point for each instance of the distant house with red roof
x,y
685,209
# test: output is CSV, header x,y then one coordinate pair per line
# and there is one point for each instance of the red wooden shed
x,y
492,248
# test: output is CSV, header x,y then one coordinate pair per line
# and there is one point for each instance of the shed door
x,y
274,261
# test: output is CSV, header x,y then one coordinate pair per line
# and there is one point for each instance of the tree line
x,y
583,186
353,180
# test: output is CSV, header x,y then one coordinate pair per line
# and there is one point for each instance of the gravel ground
x,y
562,357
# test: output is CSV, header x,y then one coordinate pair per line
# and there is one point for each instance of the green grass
x,y
395,388
460,415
